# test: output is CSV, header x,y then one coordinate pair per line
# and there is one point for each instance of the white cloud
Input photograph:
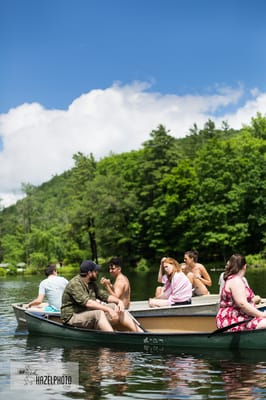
x,y
39,143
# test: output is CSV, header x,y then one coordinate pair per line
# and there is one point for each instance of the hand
x,y
104,281
256,299
121,307
151,304
113,316
197,276
162,260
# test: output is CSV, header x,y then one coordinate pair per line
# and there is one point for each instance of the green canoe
x,y
189,334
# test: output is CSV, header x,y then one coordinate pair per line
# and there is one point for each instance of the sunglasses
x,y
112,268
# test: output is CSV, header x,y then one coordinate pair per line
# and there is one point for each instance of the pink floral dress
x,y
229,312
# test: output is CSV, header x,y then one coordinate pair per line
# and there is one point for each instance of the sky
x,y
97,76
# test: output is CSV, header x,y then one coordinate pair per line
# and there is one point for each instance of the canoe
x,y
150,317
207,305
201,305
210,299
142,309
20,308
188,332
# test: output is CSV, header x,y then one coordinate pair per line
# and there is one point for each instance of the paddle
x,y
225,328
136,322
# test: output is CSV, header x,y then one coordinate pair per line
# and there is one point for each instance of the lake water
x,y
113,374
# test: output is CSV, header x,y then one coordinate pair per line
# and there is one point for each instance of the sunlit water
x,y
112,374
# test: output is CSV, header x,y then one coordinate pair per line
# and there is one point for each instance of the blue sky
x,y
98,64
55,50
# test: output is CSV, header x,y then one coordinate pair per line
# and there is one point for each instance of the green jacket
x,y
76,295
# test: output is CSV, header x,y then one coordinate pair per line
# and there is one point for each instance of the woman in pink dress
x,y
177,289
237,299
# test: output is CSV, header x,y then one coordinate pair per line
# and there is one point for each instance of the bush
x,y
142,265
38,259
256,260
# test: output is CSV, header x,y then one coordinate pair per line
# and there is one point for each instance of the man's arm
x,y
36,301
108,286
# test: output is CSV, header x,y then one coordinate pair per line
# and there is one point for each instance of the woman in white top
x,y
177,289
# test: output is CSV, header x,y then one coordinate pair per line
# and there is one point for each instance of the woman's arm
x,y
205,277
160,273
237,288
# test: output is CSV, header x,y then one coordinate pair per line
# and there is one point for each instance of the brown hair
x,y
50,269
194,254
235,263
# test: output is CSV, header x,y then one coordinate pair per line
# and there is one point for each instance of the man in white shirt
x,y
52,288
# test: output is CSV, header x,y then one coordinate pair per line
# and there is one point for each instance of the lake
x,y
114,374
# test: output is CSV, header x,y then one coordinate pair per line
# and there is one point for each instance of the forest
x,y
205,191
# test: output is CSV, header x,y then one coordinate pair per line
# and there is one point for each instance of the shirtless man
x,y
121,286
197,274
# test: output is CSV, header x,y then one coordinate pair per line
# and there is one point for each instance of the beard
x,y
93,278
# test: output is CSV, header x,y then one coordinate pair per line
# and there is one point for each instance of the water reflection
x,y
106,373
244,381
100,369
187,376
217,373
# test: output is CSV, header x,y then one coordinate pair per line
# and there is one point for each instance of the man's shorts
x,y
90,318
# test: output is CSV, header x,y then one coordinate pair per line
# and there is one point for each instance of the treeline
x,y
206,191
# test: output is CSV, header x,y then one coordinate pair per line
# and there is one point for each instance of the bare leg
x,y
126,320
158,302
190,276
104,324
199,287
158,291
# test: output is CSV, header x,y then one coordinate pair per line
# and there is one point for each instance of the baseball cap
x,y
88,265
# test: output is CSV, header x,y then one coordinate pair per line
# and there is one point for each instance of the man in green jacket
x,y
85,305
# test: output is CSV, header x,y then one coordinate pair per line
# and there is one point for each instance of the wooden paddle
x,y
136,321
225,328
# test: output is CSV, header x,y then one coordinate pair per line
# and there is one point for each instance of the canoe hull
x,y
147,341
189,309
210,299
141,309
20,308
